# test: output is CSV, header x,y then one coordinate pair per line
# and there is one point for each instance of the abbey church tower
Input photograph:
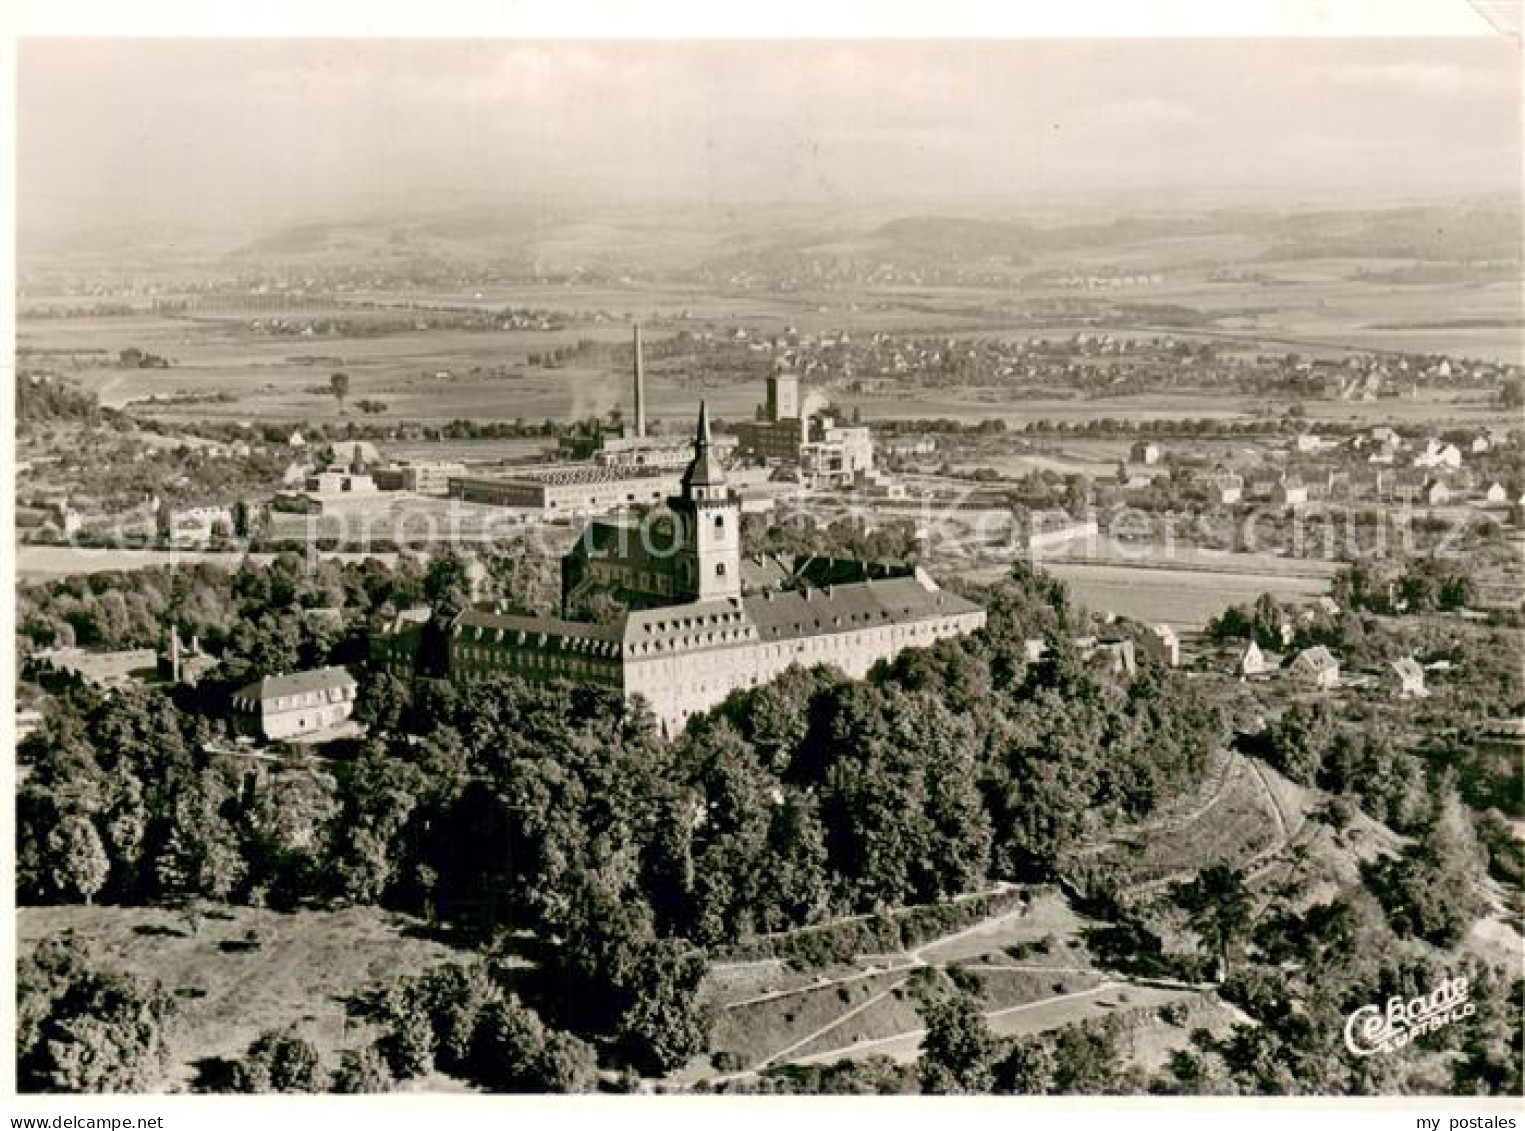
x,y
708,562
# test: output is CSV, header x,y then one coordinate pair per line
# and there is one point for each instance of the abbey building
x,y
698,620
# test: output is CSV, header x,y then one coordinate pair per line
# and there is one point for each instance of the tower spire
x,y
709,524
704,471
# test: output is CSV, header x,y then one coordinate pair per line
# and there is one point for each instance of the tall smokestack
x,y
640,387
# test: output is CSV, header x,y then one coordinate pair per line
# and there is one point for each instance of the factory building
x,y
825,453
561,489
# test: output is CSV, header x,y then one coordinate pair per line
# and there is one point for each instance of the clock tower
x,y
708,561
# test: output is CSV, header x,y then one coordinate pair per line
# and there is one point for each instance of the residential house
x,y
1225,486
1436,454
1145,453
1289,492
1410,678
298,704
1316,667
1115,656
1255,662
197,526
29,721
1163,644
1435,493
1261,486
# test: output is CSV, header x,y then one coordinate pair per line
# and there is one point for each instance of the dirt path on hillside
x,y
834,1023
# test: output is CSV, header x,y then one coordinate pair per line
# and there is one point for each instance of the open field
x,y
1164,596
246,970
758,1032
42,563
424,376
1046,917
891,1013
1054,1012
1180,598
1315,307
1027,967
1190,559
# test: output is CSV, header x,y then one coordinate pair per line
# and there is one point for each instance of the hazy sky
x,y
208,130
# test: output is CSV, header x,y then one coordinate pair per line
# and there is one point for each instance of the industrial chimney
x,y
640,387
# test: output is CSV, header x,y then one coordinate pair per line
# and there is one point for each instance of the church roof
x,y
629,541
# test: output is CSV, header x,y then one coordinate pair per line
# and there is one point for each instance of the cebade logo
x,y
1372,1029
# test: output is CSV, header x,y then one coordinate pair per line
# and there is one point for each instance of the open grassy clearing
x,y
1040,933
731,985
1179,556
1021,1020
895,1011
245,970
756,1032
1150,1043
1083,1005
1002,989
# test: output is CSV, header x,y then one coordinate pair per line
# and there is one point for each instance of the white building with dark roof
x,y
568,489
297,704
1410,675
1316,667
1255,661
712,637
